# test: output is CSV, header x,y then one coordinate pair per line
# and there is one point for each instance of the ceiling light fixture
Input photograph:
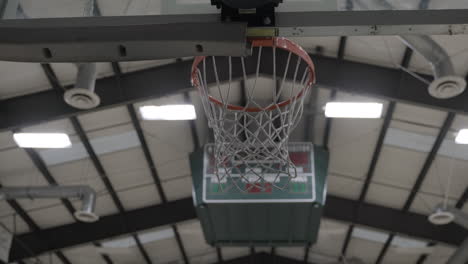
x,y
353,110
42,140
168,112
462,136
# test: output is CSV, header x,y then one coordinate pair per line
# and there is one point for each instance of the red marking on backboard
x,y
256,188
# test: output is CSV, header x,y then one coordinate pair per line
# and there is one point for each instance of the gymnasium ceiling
x,y
410,144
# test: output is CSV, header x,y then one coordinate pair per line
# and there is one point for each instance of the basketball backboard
x,y
267,217
308,187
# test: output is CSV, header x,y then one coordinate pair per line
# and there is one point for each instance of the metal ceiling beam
x,y
341,209
122,38
97,164
420,179
40,164
105,179
32,226
345,76
370,172
381,22
150,161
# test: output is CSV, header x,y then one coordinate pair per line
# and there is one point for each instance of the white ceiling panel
x,y
66,72
331,238
366,250
81,172
352,141
21,78
105,118
164,249
351,146
425,203
344,186
319,257
127,256
416,128
135,198
174,169
386,196
168,140
85,254
194,241
15,224
5,209
46,258
61,125
440,254
120,129
52,216
124,7
394,256
418,114
398,167
235,252
460,122
329,44
409,140
379,50
209,257
55,8
178,188
13,164
38,204
126,168
446,175
291,252
130,66
6,140
101,145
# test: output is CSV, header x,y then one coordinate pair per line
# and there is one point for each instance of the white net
x,y
252,109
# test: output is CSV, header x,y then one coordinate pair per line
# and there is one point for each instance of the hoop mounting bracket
x,y
257,13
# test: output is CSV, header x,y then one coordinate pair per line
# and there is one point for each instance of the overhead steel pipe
x,y
447,83
85,193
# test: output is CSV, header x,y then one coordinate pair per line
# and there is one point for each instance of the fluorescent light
x,y
42,140
353,110
168,112
462,137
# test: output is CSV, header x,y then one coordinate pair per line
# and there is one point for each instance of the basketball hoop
x,y
253,113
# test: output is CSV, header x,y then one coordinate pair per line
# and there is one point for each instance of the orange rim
x,y
281,43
